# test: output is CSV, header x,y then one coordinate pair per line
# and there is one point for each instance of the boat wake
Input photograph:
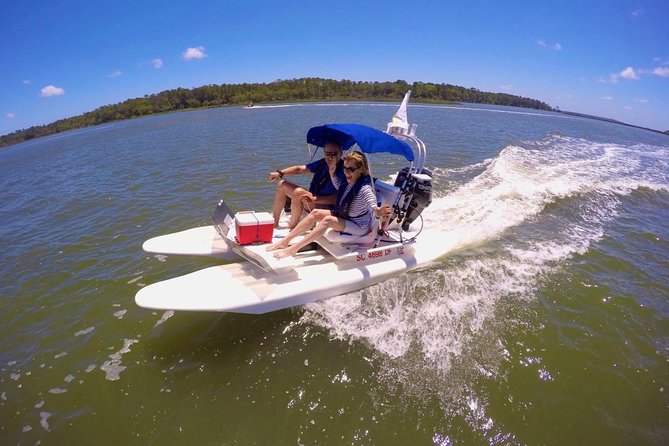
x,y
520,217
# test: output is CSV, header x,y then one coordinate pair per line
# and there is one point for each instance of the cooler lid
x,y
245,218
264,218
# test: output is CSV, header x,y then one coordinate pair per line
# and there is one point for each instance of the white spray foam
x,y
424,320
44,416
516,187
113,367
139,276
84,331
166,315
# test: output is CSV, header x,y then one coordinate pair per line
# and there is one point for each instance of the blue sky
x,y
64,58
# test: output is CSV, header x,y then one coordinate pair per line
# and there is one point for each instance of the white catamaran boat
x,y
256,282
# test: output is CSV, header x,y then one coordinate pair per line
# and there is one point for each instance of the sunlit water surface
x,y
548,325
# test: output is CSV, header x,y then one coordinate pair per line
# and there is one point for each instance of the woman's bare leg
x,y
330,221
302,227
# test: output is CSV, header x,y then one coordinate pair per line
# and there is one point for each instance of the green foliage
x,y
305,89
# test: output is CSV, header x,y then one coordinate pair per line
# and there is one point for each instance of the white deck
x,y
245,288
202,241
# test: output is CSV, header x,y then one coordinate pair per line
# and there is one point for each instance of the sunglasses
x,y
351,169
331,153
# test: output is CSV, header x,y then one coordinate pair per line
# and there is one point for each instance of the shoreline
x,y
307,101
612,121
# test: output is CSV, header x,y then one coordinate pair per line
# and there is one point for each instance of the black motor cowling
x,y
417,195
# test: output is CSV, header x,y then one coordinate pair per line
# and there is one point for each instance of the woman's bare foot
x,y
285,252
278,245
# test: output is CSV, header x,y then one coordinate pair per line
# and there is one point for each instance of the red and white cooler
x,y
254,227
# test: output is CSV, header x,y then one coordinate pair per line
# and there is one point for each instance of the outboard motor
x,y
418,192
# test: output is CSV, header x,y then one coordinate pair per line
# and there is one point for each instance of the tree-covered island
x,y
293,90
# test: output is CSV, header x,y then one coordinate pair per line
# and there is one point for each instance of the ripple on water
x,y
84,331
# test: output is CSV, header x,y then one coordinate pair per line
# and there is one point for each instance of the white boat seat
x,y
386,193
347,239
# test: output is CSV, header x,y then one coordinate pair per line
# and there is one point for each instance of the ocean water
x,y
548,324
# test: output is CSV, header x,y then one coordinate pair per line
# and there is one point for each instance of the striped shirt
x,y
363,204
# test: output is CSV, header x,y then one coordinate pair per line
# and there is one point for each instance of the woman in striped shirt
x,y
354,211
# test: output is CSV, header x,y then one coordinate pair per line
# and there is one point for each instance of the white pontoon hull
x,y
202,241
245,288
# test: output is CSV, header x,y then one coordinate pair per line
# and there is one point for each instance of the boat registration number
x,y
377,254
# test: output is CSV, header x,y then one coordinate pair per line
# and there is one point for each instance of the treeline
x,y
306,89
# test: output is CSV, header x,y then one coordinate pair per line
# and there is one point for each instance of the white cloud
x,y
629,73
607,98
195,53
26,82
157,63
116,73
507,87
661,71
10,115
638,12
628,107
641,101
50,90
556,46
612,79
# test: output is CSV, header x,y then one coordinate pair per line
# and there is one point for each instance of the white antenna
x,y
400,124
400,128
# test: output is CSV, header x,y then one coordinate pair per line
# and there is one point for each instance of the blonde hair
x,y
359,159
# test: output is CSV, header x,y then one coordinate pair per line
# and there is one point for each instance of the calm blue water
x,y
548,325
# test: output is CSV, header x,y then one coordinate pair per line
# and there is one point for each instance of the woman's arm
x,y
335,179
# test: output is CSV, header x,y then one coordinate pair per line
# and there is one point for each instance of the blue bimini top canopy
x,y
368,139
